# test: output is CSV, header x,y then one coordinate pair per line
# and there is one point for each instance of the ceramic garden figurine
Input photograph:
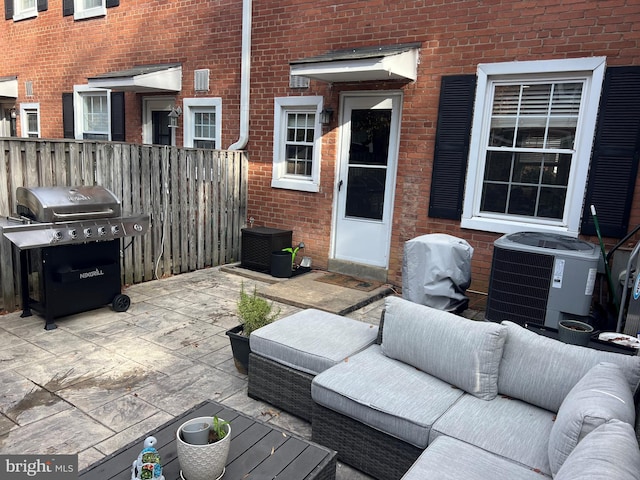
x,y
147,465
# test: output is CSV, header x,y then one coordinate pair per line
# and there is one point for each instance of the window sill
x,y
91,13
508,227
25,16
301,185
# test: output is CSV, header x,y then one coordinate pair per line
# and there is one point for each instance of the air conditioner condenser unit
x,y
541,278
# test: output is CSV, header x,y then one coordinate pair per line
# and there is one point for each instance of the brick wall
x,y
455,36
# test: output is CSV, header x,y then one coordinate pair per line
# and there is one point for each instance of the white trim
x,y
78,108
191,106
24,107
592,71
23,14
80,13
295,182
151,104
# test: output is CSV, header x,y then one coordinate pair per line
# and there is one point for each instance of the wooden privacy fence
x,y
197,200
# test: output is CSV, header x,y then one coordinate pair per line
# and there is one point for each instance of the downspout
x,y
245,72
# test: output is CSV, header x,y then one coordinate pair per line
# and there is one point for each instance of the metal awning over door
x,y
391,62
142,79
9,87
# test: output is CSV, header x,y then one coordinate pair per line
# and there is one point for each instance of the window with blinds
x,y
530,148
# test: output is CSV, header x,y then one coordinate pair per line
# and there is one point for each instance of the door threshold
x,y
358,270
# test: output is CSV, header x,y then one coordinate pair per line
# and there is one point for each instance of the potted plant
x,y
254,312
205,460
574,332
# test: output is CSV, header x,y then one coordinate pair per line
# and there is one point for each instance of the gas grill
x,y
69,243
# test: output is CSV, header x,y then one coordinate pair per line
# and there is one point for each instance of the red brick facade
x,y
57,52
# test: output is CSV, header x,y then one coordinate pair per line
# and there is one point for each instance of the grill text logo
x,y
93,273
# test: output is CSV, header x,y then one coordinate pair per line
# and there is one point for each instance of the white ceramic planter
x,y
202,462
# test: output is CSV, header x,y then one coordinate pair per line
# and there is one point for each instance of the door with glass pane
x,y
366,179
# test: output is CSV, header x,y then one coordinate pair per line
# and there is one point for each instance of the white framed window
x,y
531,141
297,138
89,8
92,107
30,120
202,122
23,9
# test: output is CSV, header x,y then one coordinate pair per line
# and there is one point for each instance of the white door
x,y
370,126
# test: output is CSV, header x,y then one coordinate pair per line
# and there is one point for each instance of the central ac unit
x,y
541,278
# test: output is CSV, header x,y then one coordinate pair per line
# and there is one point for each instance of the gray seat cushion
x,y
457,350
451,459
385,394
609,452
504,426
312,340
542,371
601,395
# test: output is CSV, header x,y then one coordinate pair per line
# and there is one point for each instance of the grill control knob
x,y
87,232
102,231
57,236
115,229
137,227
73,233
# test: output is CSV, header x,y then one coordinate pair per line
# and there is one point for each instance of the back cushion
x,y
610,452
462,352
542,371
601,395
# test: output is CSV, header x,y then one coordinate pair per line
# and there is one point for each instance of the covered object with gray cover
x,y
436,271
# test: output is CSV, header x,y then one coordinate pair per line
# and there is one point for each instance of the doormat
x,y
349,282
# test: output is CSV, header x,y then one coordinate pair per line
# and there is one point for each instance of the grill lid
x,y
55,204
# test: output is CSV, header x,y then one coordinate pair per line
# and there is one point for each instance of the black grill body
x,y
73,278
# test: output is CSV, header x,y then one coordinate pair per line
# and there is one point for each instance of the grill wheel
x,y
121,303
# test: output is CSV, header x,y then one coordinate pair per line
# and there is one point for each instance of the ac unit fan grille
x,y
519,286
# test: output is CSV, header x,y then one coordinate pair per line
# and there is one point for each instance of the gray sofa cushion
x,y
451,459
459,351
542,371
609,452
504,426
385,394
312,340
601,395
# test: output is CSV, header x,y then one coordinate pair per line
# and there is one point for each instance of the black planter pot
x,y
281,266
240,348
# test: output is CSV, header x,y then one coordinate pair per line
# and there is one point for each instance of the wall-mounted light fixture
x,y
13,113
173,117
326,115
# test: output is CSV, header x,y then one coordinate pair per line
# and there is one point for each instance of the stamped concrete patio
x,y
102,379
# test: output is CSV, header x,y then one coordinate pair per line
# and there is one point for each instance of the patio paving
x,y
103,379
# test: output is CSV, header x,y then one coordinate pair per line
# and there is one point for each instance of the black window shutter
x,y
67,8
614,163
117,116
43,5
67,115
8,9
112,3
450,157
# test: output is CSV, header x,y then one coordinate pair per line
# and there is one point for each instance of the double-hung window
x,y
30,120
92,113
202,122
89,8
531,142
297,143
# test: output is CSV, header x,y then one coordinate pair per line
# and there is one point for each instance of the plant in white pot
x,y
206,458
254,312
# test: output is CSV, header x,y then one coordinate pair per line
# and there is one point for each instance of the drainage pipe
x,y
245,71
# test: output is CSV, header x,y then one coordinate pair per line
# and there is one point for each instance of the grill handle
x,y
82,215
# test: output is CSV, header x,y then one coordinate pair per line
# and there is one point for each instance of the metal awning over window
x,y
9,87
144,78
392,62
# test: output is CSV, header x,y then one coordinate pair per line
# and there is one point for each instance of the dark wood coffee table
x,y
258,451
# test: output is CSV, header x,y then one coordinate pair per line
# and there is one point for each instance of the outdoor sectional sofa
x,y
443,397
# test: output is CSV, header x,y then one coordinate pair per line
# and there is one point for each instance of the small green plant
x,y
218,430
293,252
254,311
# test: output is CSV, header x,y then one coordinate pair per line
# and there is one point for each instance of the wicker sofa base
x,y
369,450
281,386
